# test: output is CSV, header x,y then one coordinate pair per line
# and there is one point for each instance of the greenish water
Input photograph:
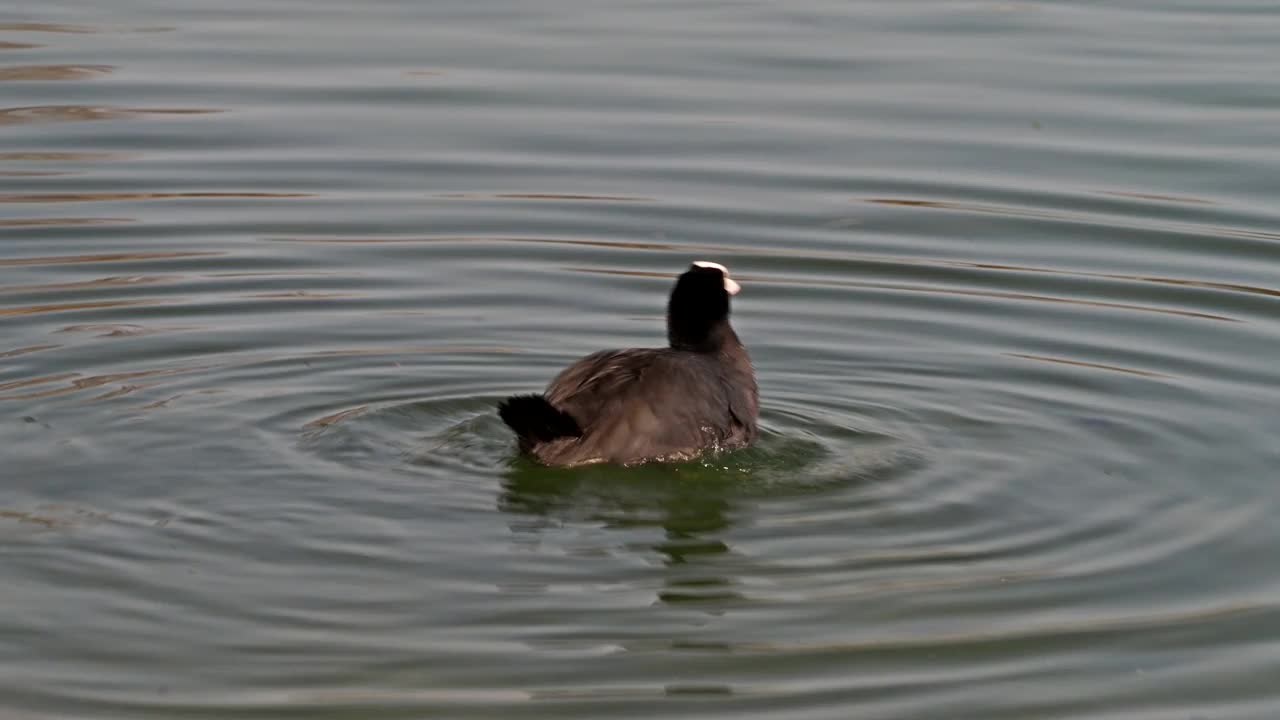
x,y
1009,279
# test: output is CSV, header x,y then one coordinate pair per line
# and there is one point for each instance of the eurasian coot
x,y
646,404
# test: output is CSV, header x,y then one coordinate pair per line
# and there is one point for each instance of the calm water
x,y
1010,283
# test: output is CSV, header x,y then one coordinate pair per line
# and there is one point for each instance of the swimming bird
x,y
650,404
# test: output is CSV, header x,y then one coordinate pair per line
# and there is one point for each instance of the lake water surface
x,y
1011,280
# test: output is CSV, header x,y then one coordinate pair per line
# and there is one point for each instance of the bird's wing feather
x,y
644,403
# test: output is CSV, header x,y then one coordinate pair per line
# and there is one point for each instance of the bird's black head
x,y
698,312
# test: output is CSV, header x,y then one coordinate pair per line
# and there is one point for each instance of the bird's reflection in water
x,y
691,502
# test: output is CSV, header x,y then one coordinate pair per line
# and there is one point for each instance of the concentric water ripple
x,y
1009,285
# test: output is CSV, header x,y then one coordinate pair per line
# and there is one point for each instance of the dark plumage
x,y
643,404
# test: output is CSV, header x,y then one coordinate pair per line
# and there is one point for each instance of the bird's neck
x,y
719,338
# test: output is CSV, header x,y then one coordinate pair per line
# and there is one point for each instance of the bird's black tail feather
x,y
535,420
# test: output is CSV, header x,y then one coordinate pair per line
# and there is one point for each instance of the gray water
x,y
1010,285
